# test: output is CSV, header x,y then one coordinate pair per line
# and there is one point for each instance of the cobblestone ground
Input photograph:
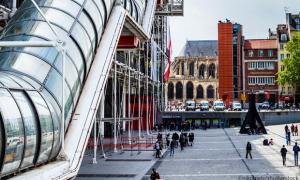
x,y
216,154
220,154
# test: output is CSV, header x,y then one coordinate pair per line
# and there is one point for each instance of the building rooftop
x,y
200,48
260,44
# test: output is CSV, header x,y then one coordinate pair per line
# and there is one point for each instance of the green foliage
x,y
291,72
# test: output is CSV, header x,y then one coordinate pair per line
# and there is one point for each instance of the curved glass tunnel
x,y
31,77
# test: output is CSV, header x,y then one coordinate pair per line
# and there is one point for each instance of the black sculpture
x,y
252,119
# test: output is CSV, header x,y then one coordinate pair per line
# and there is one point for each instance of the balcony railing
x,y
170,7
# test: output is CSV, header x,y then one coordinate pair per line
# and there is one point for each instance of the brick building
x,y
260,62
230,47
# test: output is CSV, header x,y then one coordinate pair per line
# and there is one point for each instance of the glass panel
x,y
55,86
91,8
28,80
72,78
101,8
8,82
69,6
57,128
46,124
87,24
84,42
30,124
14,132
49,54
60,18
31,65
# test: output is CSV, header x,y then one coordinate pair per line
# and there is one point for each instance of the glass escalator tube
x,y
31,77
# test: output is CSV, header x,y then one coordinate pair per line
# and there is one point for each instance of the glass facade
x,y
31,77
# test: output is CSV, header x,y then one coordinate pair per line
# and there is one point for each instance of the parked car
x,y
265,105
219,106
236,106
190,105
204,106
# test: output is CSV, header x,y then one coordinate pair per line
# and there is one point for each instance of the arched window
x,y
182,68
212,69
202,71
210,92
189,90
179,90
191,69
200,92
170,90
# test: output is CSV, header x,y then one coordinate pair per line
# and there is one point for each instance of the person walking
x,y
248,150
181,141
175,136
154,175
296,130
293,129
191,138
296,150
172,147
289,137
283,152
157,148
286,128
168,139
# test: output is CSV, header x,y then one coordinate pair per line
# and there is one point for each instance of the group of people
x,y
296,148
288,133
284,152
184,139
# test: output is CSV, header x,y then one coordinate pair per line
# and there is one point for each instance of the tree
x,y
291,73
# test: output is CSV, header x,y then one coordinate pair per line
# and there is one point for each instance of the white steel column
x,y
139,90
115,103
124,103
153,103
129,92
147,90
95,141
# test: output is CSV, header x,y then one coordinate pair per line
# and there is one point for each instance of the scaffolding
x,y
170,8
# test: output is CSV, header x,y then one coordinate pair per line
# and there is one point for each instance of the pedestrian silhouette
x,y
248,150
283,152
296,149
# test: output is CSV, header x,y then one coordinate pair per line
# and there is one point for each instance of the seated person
x,y
271,142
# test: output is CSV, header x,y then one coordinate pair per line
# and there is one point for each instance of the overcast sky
x,y
201,18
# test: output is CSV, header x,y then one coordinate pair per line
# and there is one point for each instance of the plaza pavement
x,y
216,154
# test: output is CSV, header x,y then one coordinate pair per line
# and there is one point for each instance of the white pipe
x,y
147,92
115,104
28,44
95,142
63,101
14,7
139,95
129,108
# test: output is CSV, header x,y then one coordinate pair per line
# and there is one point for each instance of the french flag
x,y
168,65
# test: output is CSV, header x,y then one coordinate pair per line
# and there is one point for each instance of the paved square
x,y
217,154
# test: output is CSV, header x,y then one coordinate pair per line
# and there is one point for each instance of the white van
x,y
219,105
236,106
190,105
204,105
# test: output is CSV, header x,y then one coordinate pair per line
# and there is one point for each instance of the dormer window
x,y
283,37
